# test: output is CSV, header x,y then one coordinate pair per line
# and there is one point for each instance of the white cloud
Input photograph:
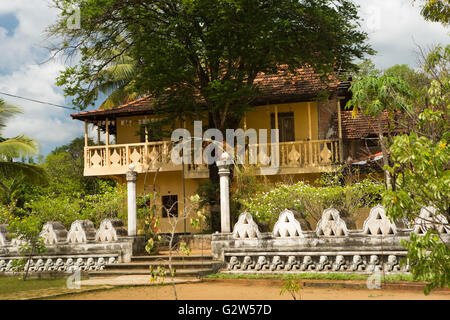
x,y
395,27
50,126
25,46
21,73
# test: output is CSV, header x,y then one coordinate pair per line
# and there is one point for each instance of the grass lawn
x,y
299,276
9,285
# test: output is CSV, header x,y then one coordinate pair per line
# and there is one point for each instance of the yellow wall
x,y
259,118
128,129
170,183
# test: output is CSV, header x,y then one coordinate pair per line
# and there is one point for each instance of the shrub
x,y
311,201
68,208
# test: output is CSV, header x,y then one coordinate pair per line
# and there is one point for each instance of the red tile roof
x,y
365,160
361,126
139,106
279,88
284,88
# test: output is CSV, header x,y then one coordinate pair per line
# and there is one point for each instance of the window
x,y
142,133
170,206
285,125
371,141
155,132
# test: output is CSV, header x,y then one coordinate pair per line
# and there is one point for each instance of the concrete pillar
x,y
341,147
132,207
224,173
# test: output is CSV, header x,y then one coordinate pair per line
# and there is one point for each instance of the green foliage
x,y
373,95
17,147
158,274
55,208
150,246
27,230
12,286
436,10
366,69
245,185
419,165
293,287
417,81
430,259
184,249
109,203
209,193
309,275
203,50
65,166
422,176
15,192
310,200
68,195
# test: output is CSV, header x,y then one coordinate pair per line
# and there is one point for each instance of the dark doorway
x,y
170,206
286,125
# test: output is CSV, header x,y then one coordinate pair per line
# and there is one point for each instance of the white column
x,y
132,207
341,147
224,173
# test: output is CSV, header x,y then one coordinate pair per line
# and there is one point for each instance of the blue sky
x,y
9,22
394,28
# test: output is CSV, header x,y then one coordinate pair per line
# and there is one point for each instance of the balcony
x,y
296,157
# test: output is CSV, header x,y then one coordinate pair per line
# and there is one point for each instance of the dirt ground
x,y
252,290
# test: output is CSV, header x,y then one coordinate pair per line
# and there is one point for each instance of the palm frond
x,y
32,173
119,96
6,112
117,75
17,147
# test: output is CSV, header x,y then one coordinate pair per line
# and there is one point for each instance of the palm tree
x,y
16,147
117,79
375,96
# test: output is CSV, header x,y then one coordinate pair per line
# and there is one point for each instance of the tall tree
x,y
16,147
436,10
200,58
207,52
65,166
421,162
377,96
115,80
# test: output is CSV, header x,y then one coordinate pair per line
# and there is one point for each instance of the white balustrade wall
x,y
81,248
331,247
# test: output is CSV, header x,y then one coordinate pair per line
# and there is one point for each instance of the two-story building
x,y
310,135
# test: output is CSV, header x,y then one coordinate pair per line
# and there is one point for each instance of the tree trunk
x,y
25,276
214,204
387,175
229,123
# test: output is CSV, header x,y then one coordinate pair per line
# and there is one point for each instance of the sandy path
x,y
253,290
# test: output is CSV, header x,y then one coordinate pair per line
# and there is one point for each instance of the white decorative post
x,y
224,173
132,207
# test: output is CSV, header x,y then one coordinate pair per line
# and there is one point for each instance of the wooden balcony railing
x,y
294,157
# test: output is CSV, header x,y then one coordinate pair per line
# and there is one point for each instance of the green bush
x,y
265,207
109,203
